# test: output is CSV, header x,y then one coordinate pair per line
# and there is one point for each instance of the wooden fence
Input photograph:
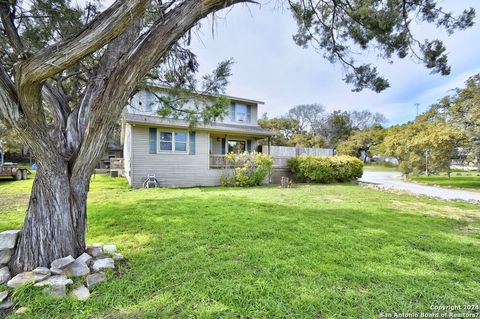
x,y
281,154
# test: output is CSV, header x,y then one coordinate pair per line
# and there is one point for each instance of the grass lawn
x,y
379,167
468,180
337,251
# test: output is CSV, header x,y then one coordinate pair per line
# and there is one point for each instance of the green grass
x,y
469,180
380,167
336,251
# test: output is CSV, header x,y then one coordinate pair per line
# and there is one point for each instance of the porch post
x,y
268,153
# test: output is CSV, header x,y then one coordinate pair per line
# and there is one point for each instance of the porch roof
x,y
149,120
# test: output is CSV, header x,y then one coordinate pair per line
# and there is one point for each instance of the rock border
x,y
89,268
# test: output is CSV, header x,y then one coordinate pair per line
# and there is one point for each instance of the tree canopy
x,y
421,146
338,28
364,143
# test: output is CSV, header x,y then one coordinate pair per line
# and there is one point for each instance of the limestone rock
x,y
94,279
41,271
40,277
109,249
118,257
4,275
56,271
5,256
62,262
84,258
3,295
7,304
58,280
97,245
21,279
55,291
81,293
104,263
8,239
94,251
21,310
77,269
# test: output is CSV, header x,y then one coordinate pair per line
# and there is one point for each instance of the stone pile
x,y
87,269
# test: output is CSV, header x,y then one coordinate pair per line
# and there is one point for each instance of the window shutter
x,y
223,146
249,146
152,133
148,101
232,112
191,150
249,114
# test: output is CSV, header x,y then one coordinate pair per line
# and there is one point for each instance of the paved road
x,y
393,180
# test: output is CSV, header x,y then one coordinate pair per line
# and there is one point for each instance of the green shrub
x,y
318,169
246,169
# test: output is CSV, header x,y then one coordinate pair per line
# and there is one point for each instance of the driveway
x,y
394,180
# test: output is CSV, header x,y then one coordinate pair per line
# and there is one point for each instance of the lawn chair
x,y
151,182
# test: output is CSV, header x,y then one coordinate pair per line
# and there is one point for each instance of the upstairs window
x,y
240,113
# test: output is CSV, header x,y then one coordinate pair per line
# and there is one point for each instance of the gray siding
x,y
172,170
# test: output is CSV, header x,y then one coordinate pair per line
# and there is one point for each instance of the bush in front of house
x,y
246,169
325,170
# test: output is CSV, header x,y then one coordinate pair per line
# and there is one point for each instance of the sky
x,y
270,67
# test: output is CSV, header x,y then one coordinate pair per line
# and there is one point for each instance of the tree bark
x,y
54,226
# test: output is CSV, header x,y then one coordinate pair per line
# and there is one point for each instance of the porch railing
x,y
219,161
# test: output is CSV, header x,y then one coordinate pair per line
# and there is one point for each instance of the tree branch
x,y
100,31
9,107
58,105
10,30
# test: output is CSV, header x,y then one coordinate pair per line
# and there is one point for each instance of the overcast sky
x,y
270,67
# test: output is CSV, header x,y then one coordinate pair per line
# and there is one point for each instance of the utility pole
x,y
417,105
426,162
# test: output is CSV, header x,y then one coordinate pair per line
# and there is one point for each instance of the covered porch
x,y
221,144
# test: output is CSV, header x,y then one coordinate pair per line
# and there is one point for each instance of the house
x,y
180,156
114,150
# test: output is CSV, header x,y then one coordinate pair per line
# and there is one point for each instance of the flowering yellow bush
x,y
246,169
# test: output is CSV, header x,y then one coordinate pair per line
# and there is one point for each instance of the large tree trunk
x,y
54,226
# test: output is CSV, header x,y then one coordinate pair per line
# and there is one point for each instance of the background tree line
x,y
310,125
448,131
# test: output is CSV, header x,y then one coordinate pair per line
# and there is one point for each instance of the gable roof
x,y
161,88
149,120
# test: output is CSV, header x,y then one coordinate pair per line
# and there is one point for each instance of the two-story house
x,y
178,155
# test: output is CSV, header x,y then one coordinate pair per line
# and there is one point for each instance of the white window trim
x,y
172,151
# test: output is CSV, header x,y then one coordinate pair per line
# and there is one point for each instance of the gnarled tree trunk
x,y
54,226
